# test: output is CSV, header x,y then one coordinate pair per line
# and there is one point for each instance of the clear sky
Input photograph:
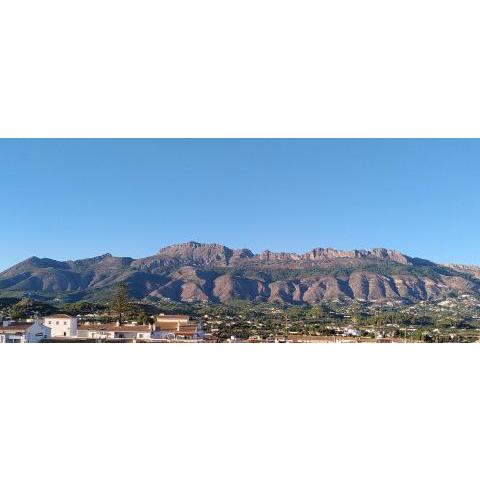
x,y
68,199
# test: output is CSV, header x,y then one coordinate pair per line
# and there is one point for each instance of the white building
x,y
177,327
61,325
114,331
23,332
352,332
182,319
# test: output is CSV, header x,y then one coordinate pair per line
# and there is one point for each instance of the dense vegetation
x,y
242,320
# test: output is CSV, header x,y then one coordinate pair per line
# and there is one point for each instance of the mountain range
x,y
195,271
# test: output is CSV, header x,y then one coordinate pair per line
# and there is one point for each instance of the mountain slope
x,y
194,271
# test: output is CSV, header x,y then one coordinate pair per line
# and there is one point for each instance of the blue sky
x,y
69,199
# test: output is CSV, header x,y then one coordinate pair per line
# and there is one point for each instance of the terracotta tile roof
x,y
16,327
187,329
310,338
169,318
166,326
111,327
132,328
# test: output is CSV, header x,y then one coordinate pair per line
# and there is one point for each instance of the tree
x,y
120,302
380,322
28,307
143,318
81,308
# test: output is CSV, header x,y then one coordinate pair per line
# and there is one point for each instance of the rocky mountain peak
x,y
319,254
195,271
270,256
202,253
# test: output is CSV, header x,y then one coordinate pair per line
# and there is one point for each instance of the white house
x,y
177,329
23,332
166,326
114,331
353,332
180,319
61,325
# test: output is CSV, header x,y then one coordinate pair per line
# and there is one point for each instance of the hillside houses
x,y
164,328
62,327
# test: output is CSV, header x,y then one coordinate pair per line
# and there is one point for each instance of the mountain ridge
x,y
194,271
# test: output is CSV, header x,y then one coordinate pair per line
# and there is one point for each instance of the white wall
x,y
61,327
94,334
37,332
108,334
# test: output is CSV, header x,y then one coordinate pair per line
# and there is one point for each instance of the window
x,y
64,323
57,323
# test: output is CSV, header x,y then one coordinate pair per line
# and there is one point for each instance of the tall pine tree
x,y
120,302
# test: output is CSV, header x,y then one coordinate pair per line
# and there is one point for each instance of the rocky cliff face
x,y
320,254
210,272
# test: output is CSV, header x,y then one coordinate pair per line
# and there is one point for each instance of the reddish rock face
x,y
210,272
319,254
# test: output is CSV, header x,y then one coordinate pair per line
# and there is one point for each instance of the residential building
x,y
299,338
171,327
110,331
177,330
23,332
180,319
61,325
